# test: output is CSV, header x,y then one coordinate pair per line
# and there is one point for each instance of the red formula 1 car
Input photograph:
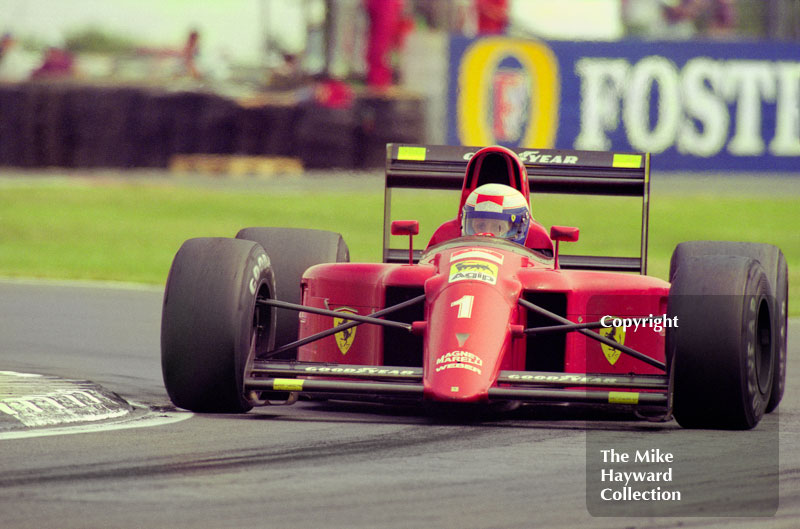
x,y
277,313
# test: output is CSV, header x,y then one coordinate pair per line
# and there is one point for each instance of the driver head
x,y
496,210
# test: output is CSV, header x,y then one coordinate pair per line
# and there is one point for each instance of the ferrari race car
x,y
278,313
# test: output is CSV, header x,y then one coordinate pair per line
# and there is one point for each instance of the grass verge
x,y
130,231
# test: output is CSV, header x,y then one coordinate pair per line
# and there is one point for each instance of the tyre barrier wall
x,y
67,125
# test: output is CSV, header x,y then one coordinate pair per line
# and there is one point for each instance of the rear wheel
x,y
211,326
292,251
723,348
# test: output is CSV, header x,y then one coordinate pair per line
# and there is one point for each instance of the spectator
x,y
189,55
644,18
56,63
346,38
492,16
6,43
713,18
15,65
678,19
387,29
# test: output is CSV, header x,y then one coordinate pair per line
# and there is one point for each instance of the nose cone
x,y
467,336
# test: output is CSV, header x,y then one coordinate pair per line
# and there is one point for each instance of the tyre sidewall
x,y
756,394
207,322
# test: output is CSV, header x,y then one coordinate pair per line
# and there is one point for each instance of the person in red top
x,y
492,16
57,62
711,17
386,29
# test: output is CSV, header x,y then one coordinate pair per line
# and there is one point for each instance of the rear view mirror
x,y
410,228
405,227
564,233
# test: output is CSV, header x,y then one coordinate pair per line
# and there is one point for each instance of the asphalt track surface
x,y
328,464
342,465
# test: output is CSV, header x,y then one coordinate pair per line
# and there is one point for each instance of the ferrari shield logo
x,y
618,335
344,339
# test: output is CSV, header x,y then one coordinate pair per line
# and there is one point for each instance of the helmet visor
x,y
490,223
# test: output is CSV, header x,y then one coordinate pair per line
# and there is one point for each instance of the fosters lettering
x,y
695,105
702,108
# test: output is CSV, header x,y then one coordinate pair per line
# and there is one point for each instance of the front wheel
x,y
723,349
774,263
211,325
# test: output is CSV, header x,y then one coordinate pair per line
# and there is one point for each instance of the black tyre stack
x,y
264,129
385,120
71,125
325,137
11,119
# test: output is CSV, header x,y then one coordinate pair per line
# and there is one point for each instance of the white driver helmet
x,y
496,210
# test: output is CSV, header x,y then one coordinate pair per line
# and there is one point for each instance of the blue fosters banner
x,y
695,105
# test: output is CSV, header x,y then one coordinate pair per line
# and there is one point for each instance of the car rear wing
x,y
549,171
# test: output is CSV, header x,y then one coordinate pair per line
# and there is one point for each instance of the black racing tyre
x,y
774,264
723,347
292,251
782,330
211,325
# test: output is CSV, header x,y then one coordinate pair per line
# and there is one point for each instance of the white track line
x,y
54,406
82,283
150,419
